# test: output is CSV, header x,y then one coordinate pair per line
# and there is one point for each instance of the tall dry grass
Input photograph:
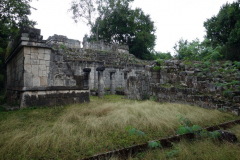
x,y
200,149
81,130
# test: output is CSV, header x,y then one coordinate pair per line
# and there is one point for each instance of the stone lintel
x,y
112,71
49,88
87,70
127,70
100,68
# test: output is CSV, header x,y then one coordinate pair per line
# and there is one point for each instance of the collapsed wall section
x,y
206,84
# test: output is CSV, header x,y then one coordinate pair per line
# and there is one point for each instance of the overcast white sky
x,y
173,19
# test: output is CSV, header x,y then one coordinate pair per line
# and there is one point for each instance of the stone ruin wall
x,y
43,73
180,83
15,70
101,46
59,39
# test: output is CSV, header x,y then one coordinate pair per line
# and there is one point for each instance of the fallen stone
x,y
227,136
189,72
183,74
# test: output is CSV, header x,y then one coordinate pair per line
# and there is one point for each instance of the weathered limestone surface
x,y
86,76
100,82
192,84
59,39
100,45
126,72
112,79
38,75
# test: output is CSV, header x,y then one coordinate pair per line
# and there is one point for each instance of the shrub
x,y
155,144
228,93
236,64
133,131
156,68
206,64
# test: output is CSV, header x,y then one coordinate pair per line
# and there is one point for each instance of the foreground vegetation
x,y
80,130
196,149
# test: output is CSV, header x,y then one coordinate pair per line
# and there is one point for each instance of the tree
x,y
87,11
123,25
117,23
161,55
224,30
84,10
13,14
197,50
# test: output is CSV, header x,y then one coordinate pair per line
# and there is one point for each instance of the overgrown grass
x,y
196,149
80,130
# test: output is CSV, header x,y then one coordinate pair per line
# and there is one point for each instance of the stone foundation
x,y
53,98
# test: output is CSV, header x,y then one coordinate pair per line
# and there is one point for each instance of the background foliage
x,y
222,37
116,22
13,14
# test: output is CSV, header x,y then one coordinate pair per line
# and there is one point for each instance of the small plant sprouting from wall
x,y
207,64
153,98
200,74
156,68
160,62
228,93
63,46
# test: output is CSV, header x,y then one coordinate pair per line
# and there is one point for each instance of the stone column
x,y
112,81
126,71
87,76
100,82
95,78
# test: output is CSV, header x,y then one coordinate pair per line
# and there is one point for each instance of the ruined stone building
x,y
58,71
51,72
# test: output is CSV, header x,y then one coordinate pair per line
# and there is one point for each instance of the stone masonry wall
x,y
38,75
52,72
59,39
206,84
15,70
101,46
36,66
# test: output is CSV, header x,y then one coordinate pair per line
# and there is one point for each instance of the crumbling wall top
x,y
60,39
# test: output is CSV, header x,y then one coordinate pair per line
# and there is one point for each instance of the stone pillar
x,y
126,71
100,82
87,76
112,81
95,78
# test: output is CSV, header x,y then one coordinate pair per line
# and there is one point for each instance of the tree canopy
x,y
222,40
197,50
224,30
116,22
13,14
